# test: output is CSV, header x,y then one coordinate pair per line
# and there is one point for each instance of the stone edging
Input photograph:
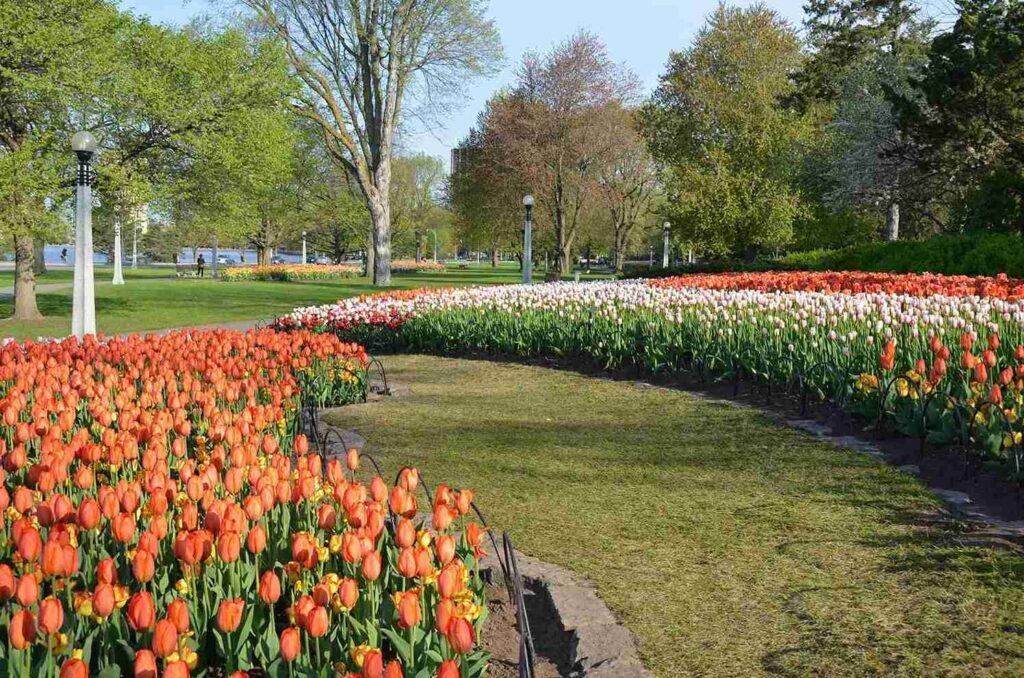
x,y
598,646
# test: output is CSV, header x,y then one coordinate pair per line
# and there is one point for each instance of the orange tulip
x,y
178,669
460,635
270,587
143,566
74,668
51,615
348,593
409,609
371,566
229,614
405,534
317,622
407,563
290,644
145,664
28,590
352,459
8,584
448,669
30,544
373,664
444,614
256,542
229,547
22,629
165,638
141,611
103,601
445,548
177,612
393,670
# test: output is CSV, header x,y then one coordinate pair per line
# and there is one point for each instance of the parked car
x,y
277,259
226,260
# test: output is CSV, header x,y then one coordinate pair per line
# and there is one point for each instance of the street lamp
x,y
664,251
304,247
528,239
118,272
83,307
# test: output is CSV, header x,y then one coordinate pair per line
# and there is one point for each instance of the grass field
x,y
730,545
158,304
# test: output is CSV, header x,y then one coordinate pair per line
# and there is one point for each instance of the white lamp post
x,y
83,307
118,274
528,239
304,247
664,251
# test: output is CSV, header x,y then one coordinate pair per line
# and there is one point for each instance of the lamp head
x,y
527,200
84,145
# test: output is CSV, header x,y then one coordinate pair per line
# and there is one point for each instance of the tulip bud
x,y
290,644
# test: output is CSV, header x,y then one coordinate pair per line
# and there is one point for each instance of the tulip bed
x,y
934,356
164,515
290,273
412,266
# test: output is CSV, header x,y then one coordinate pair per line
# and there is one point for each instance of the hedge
x,y
988,254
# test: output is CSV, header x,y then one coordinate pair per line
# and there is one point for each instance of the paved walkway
x,y
7,293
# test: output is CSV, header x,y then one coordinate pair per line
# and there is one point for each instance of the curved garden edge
x,y
592,643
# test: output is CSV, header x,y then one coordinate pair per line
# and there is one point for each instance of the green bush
x,y
988,254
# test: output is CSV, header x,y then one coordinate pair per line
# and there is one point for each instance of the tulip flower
x,y
290,644
145,664
141,611
74,668
177,613
165,638
22,629
229,614
409,609
448,669
270,587
51,615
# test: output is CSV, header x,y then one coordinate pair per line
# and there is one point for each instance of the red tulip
x,y
448,669
141,611
409,609
177,612
22,629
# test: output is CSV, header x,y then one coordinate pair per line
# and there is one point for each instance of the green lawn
x,y
730,545
65,274
158,304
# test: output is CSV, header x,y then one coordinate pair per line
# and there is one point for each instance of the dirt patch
x,y
500,637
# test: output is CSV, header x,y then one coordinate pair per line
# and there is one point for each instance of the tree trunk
x,y
25,307
419,247
892,221
39,266
380,218
261,255
494,257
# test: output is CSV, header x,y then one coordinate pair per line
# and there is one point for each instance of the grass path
x,y
730,545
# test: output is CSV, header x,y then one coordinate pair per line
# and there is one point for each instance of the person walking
x,y
64,255
200,265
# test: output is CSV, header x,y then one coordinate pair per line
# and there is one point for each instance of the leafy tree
x,y
359,62
52,57
627,181
970,124
415,186
730,151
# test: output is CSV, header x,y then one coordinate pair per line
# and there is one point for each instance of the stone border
x,y
598,646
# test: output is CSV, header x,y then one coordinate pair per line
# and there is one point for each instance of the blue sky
x,y
639,33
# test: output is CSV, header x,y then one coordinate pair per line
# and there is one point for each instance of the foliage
x,y
729,148
971,131
358,63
